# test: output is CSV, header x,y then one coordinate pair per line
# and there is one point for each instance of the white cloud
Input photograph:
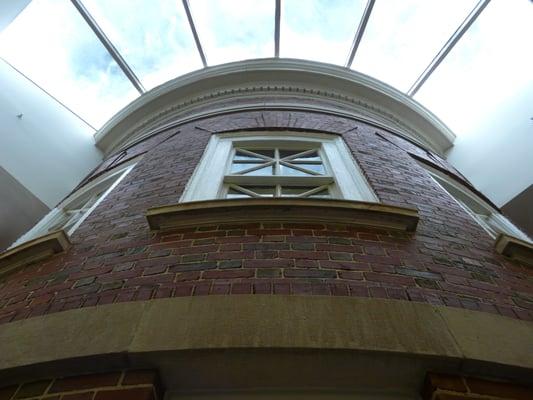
x,y
489,65
319,30
52,45
402,37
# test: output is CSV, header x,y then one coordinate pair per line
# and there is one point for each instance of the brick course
x,y
456,387
449,260
128,385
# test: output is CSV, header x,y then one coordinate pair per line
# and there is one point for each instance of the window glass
x,y
320,30
155,39
73,211
281,164
234,30
402,37
485,215
52,45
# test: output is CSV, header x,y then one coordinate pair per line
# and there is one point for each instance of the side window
x,y
489,218
277,165
71,212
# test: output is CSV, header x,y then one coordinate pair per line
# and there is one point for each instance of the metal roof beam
x,y
448,46
360,32
277,28
194,32
109,46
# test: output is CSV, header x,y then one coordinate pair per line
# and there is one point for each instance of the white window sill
x,y
33,250
328,211
515,248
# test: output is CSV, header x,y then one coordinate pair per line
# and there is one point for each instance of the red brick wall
x,y
450,260
455,387
127,385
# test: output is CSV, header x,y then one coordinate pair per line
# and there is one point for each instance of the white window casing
x,y
485,215
341,175
72,211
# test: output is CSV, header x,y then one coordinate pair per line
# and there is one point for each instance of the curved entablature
x,y
275,84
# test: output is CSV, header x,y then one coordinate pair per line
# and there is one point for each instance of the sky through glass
x,y
62,55
156,42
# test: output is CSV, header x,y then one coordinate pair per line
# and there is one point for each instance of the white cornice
x,y
358,96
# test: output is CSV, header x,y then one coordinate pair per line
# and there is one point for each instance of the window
x,y
489,218
281,164
76,208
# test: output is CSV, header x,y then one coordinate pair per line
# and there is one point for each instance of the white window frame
x,y
108,180
490,219
207,181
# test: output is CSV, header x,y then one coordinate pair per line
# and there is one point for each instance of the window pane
x,y
288,153
51,44
295,190
485,82
263,191
402,37
234,194
285,170
154,38
265,171
309,157
234,30
322,193
267,153
321,30
245,157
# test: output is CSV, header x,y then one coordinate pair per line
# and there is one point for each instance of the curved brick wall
x,y
450,259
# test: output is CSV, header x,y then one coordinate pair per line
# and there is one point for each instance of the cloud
x,y
491,64
51,44
402,37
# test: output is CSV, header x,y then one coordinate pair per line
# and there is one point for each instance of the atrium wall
x,y
39,134
227,306
115,257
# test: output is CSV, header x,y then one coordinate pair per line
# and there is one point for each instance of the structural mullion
x,y
194,32
448,46
277,22
360,32
109,46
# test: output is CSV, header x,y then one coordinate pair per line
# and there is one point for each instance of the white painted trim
x,y
55,214
296,77
349,181
496,223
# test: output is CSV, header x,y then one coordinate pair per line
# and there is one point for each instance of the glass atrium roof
x,y
480,50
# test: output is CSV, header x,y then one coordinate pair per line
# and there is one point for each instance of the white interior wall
x,y
9,9
46,147
497,156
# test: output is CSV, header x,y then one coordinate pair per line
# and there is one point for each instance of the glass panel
x,y
237,167
288,153
234,30
284,170
321,30
241,156
267,153
155,39
402,37
234,194
295,190
485,82
245,157
319,168
266,171
322,193
51,44
263,191
308,157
